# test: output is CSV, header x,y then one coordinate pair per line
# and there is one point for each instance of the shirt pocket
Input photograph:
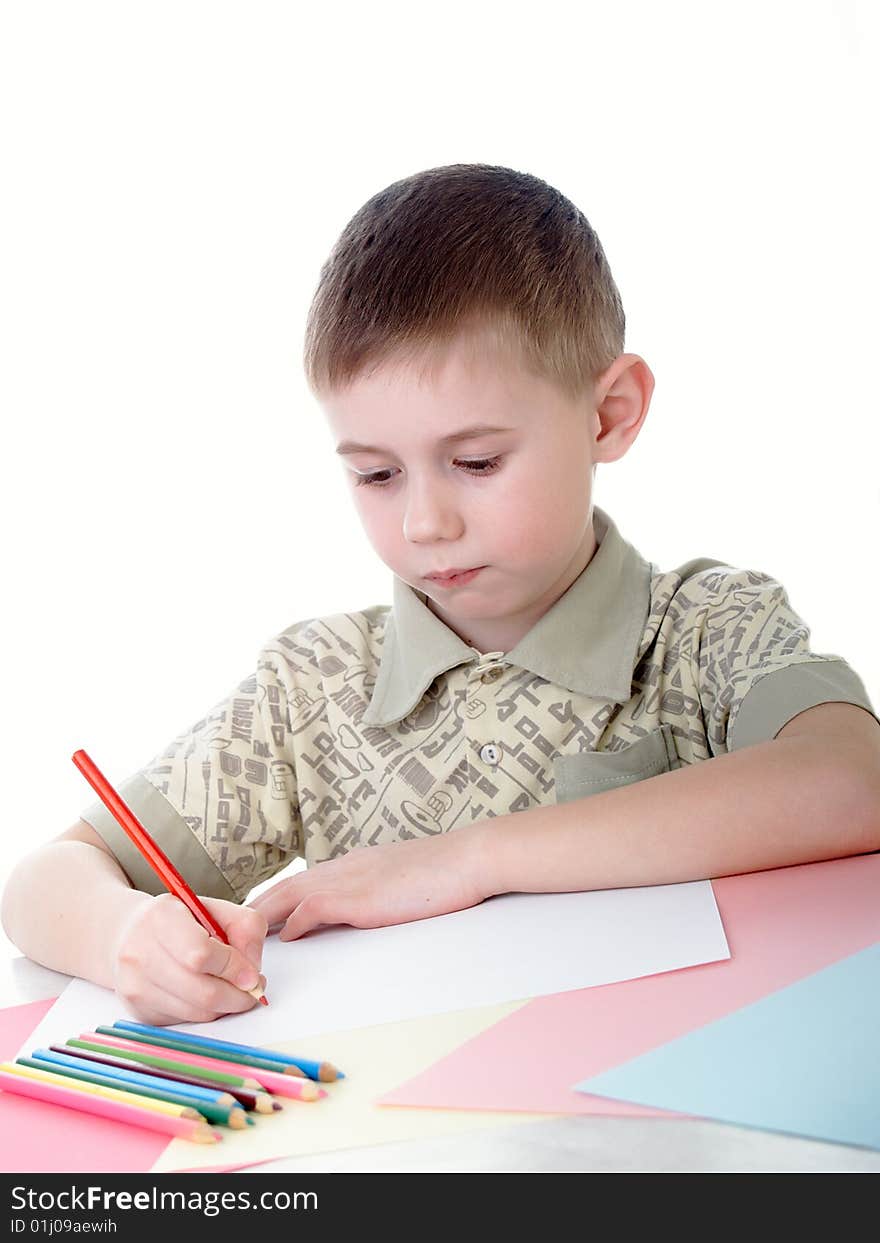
x,y
591,772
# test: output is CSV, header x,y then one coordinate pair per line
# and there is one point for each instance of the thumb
x,y
245,928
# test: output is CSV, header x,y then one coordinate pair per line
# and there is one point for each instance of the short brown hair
x,y
460,246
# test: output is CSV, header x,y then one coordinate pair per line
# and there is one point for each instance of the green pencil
x,y
164,1063
182,1045
213,1111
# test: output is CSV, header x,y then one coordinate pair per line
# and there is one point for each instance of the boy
x,y
536,722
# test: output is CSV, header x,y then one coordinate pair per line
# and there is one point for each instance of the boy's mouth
x,y
455,577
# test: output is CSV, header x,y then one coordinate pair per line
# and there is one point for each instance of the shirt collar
x,y
586,642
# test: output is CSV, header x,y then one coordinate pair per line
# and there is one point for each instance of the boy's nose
x,y
430,515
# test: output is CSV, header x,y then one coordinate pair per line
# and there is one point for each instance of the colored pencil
x,y
143,1053
226,1113
194,1129
324,1071
130,1072
153,853
258,1099
92,1089
182,1044
298,1088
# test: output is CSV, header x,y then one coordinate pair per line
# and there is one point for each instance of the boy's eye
x,y
476,466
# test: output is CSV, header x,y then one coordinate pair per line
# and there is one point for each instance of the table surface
x,y
570,1144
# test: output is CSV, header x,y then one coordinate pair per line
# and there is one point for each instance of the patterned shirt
x,y
385,725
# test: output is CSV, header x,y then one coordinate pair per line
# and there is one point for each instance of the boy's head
x,y
475,295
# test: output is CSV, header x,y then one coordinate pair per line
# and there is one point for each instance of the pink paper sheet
x,y
34,1139
41,1138
780,925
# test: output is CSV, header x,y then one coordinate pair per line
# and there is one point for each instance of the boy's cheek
x,y
379,526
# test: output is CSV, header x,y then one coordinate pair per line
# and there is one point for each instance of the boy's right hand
x,y
168,969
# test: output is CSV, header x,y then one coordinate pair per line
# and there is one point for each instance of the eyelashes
x,y
477,466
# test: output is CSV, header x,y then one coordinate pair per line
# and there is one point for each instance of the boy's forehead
x,y
470,379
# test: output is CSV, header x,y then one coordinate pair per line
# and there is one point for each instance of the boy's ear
x,y
622,395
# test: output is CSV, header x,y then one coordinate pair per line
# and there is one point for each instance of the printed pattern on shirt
x,y
283,766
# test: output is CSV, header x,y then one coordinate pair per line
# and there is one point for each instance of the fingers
x,y
167,964
199,954
323,908
176,996
206,973
159,1007
275,904
246,930
281,900
165,985
245,927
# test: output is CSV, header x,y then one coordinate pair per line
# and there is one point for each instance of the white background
x,y
174,175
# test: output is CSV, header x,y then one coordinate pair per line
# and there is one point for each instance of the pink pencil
x,y
279,1085
70,1098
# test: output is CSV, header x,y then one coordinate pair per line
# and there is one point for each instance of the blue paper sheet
x,y
805,1060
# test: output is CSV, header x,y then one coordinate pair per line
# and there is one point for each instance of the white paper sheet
x,y
510,947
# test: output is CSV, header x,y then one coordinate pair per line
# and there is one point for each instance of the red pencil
x,y
152,852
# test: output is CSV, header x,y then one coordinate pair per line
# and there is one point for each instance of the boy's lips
x,y
455,577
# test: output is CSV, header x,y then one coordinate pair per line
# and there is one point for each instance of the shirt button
x,y
490,754
492,674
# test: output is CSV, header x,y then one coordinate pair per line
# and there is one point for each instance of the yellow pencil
x,y
114,1094
40,1087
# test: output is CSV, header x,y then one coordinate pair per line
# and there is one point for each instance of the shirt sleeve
x,y
756,670
221,799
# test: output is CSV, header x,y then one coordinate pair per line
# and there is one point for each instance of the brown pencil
x,y
259,1101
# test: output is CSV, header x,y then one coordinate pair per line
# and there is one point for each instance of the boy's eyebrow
x,y
466,433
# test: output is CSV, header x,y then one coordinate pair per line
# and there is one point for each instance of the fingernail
x,y
247,978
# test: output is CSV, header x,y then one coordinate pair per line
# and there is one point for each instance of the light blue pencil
x,y
326,1072
133,1076
229,1113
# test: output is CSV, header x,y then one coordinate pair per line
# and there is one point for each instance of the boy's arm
x,y
63,902
811,793
70,906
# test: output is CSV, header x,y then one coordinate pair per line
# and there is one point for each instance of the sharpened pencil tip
x,y
264,1000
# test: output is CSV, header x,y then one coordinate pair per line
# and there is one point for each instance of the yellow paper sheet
x,y
375,1060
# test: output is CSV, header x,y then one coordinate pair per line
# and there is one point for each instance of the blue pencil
x,y
230,1113
326,1072
133,1076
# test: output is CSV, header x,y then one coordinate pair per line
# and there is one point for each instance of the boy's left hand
x,y
373,886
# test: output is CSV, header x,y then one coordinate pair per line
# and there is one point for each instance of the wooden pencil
x,y
326,1072
115,1094
131,1073
142,1053
298,1087
182,1044
258,1099
225,1113
39,1088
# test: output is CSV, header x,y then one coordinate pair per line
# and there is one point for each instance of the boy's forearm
x,y
789,801
64,905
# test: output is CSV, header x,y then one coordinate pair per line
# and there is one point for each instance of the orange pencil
x,y
152,852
